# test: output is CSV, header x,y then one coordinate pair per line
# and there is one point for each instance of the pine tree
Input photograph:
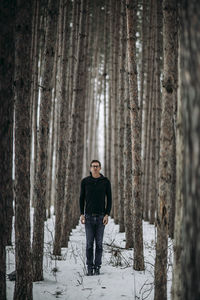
x,y
166,146
43,134
187,249
131,11
22,91
6,140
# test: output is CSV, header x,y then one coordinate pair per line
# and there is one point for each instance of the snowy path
x,y
117,280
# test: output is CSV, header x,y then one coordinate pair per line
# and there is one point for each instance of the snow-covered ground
x,y
66,279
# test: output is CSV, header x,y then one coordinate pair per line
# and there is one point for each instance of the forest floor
x,y
66,278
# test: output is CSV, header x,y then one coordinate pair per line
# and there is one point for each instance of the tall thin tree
x,y
22,93
41,174
77,96
131,11
188,226
166,146
6,136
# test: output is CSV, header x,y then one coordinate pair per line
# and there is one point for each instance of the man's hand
x,y
82,219
105,220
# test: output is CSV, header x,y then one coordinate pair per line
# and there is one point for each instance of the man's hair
x,y
95,160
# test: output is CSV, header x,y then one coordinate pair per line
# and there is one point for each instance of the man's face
x,y
95,168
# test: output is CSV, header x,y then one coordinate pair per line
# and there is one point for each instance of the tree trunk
x,y
143,76
34,95
131,11
166,146
128,203
63,135
23,284
121,129
177,282
152,130
190,94
116,104
6,137
105,86
41,174
158,58
146,117
77,96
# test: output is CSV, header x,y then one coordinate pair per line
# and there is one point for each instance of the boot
x,y
97,270
90,271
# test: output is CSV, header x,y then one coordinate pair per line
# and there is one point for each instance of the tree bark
x,y
6,136
23,284
116,104
41,174
189,242
62,150
166,146
177,282
128,203
131,11
146,117
121,129
159,65
151,187
77,96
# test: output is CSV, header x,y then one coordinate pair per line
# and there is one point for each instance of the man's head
x,y
95,167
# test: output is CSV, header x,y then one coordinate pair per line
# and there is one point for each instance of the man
x,y
94,213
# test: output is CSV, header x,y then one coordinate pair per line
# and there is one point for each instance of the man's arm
x,y
109,198
82,197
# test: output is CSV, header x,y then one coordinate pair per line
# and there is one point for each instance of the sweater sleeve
x,y
82,197
109,198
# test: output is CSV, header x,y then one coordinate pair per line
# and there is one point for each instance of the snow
x,y
66,279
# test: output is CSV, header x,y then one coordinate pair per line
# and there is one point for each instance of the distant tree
x,y
121,113
143,75
147,108
158,70
151,166
116,28
128,202
36,48
105,85
76,103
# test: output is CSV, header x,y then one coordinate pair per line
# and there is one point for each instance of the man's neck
x,y
96,175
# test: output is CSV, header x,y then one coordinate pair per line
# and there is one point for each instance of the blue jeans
x,y
94,229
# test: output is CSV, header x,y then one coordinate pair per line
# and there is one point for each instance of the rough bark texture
x,y
6,133
41,174
131,12
143,76
152,129
146,116
22,93
62,150
34,94
128,203
116,98
190,95
122,70
106,145
166,147
158,58
177,286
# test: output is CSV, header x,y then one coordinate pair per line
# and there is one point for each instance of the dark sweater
x,y
93,194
